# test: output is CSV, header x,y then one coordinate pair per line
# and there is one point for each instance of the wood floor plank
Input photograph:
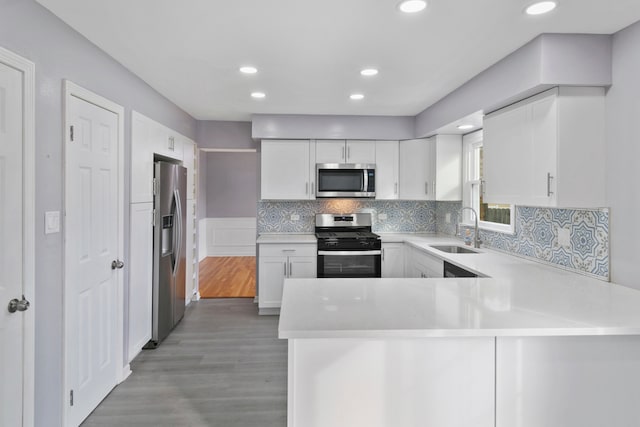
x,y
223,365
227,277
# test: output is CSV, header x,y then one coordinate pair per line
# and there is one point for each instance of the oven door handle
x,y
349,253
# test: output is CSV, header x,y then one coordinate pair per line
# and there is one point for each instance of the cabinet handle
x,y
285,269
382,254
433,184
342,153
395,188
306,188
290,269
313,186
348,152
426,188
549,178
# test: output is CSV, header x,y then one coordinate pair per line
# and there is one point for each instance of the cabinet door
x,y
140,267
189,162
508,151
361,152
544,138
392,260
270,281
285,170
331,151
303,266
416,182
191,284
141,160
448,167
387,162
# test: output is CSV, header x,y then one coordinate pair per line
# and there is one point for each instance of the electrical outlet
x,y
447,218
51,222
382,216
295,217
564,237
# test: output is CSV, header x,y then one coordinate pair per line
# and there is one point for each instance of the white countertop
x,y
531,305
516,298
287,238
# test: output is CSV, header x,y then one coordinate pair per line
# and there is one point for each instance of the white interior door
x,y
11,246
91,246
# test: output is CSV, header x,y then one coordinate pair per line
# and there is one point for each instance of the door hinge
x,y
71,398
155,186
71,132
153,218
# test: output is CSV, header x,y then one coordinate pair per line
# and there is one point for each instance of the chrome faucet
x,y
476,235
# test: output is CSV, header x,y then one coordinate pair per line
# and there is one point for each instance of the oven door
x,y
335,264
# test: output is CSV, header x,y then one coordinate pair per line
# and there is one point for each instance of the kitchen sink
x,y
454,249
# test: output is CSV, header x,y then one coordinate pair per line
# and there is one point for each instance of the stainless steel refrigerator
x,y
169,247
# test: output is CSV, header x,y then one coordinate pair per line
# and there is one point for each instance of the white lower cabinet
x,y
140,277
421,264
278,261
393,260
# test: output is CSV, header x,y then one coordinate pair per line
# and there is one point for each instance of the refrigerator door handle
x,y
177,243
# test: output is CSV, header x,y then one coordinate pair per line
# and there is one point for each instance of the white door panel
x,y
91,245
11,245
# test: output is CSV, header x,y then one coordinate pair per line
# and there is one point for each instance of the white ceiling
x,y
309,53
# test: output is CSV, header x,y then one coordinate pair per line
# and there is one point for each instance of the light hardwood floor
x,y
222,366
227,277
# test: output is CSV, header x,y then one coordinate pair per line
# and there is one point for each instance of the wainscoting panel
x,y
228,236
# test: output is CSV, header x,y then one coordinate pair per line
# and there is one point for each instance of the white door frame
x,y
73,90
28,70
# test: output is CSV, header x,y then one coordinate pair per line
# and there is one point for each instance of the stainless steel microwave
x,y
345,180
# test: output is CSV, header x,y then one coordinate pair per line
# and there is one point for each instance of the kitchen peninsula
x,y
532,345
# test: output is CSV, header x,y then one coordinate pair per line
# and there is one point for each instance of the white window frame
x,y
469,143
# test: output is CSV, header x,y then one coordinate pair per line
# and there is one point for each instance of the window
x,y
495,217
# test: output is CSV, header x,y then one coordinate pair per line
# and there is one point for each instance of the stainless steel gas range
x,y
347,247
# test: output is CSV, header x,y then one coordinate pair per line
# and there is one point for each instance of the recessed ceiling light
x,y
356,96
248,69
258,95
541,7
465,127
369,72
412,6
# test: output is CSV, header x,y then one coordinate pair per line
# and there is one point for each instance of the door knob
x,y
18,305
116,263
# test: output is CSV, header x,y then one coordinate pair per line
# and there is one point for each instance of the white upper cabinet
x,y
417,170
448,167
387,163
286,170
148,139
341,151
189,161
548,150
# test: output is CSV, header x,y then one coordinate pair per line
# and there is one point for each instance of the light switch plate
x,y
295,217
382,216
447,218
564,237
51,222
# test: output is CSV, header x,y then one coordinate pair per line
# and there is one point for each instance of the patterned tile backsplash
x,y
536,229
401,216
536,236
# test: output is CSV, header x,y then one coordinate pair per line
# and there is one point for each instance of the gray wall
x,y
218,134
229,181
623,152
232,189
60,53
548,60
